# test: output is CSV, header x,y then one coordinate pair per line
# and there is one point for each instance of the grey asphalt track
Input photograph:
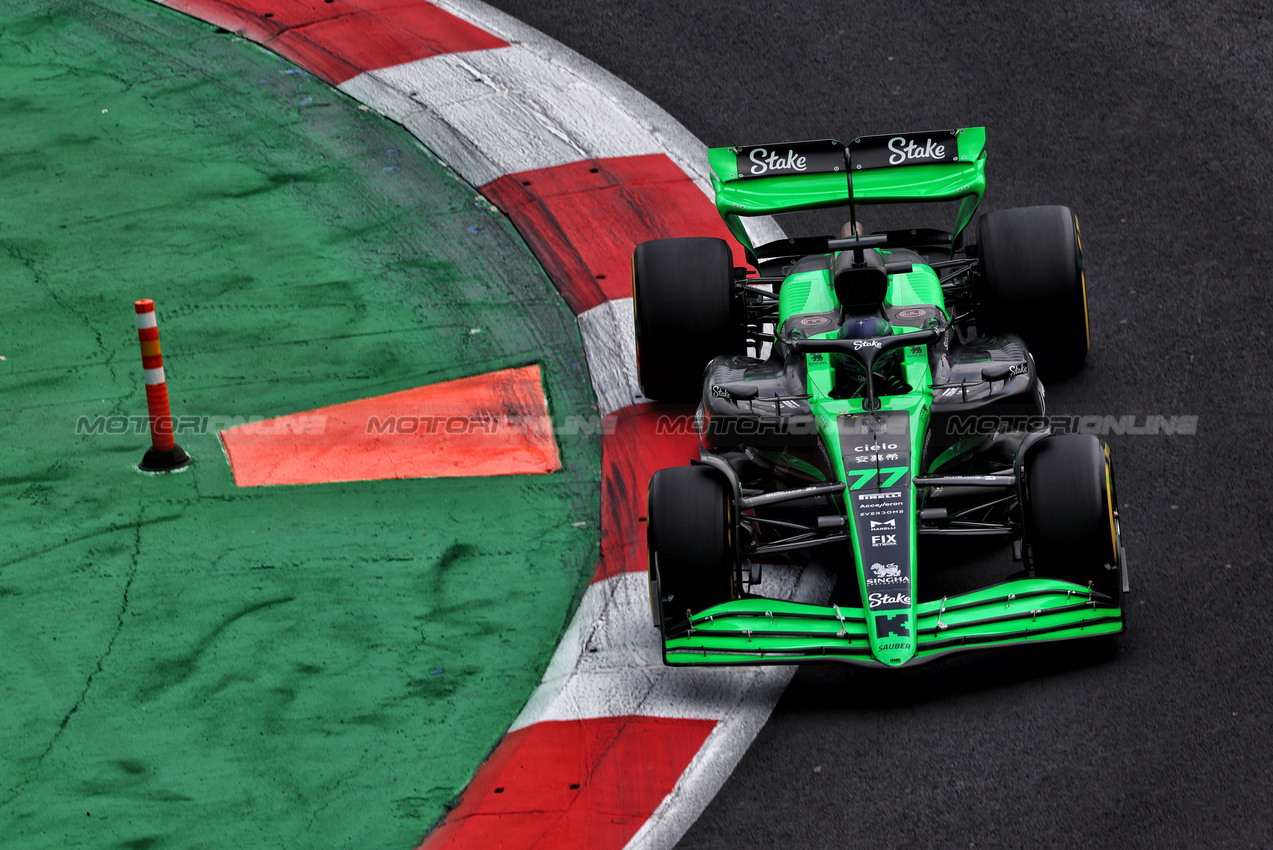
x,y
1153,121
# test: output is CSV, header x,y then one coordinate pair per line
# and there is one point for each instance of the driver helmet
x,y
860,327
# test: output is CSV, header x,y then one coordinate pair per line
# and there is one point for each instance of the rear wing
x,y
941,165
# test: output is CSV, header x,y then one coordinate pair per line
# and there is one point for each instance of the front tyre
x,y
1071,513
1030,282
690,536
687,311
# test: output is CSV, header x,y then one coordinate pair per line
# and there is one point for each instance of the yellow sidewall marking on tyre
x,y
1087,327
1109,501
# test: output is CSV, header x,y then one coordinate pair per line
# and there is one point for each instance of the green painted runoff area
x,y
187,663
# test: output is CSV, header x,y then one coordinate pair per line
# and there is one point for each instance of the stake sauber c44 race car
x,y
900,367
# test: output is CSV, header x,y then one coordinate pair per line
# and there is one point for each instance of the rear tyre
x,y
690,535
1071,513
1031,283
686,312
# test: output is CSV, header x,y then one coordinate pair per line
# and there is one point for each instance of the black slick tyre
x,y
1071,513
1030,282
690,536
686,313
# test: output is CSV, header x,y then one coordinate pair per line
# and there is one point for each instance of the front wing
x,y
769,631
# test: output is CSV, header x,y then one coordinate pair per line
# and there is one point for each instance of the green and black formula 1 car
x,y
900,396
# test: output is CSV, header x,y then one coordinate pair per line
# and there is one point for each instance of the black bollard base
x,y
157,460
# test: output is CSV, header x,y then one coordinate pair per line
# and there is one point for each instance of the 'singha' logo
x,y
887,575
886,570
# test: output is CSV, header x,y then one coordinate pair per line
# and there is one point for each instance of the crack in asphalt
x,y
110,529
110,646
32,266
101,660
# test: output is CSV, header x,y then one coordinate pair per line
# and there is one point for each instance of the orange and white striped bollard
x,y
164,454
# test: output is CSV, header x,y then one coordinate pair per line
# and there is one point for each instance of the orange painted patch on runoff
x,y
493,424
